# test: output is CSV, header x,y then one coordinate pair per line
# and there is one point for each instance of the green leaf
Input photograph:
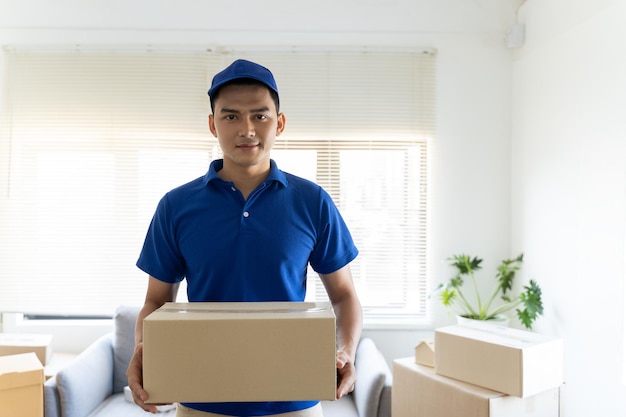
x,y
533,305
506,273
456,282
524,318
465,264
448,296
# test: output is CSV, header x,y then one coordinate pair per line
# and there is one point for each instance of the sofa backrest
x,y
123,343
373,375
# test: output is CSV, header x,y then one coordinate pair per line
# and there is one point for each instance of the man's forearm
x,y
349,325
158,293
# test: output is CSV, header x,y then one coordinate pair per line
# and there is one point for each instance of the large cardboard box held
x,y
14,343
21,386
263,351
507,360
420,392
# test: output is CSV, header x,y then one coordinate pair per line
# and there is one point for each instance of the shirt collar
x,y
275,174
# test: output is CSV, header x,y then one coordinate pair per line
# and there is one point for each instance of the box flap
x,y
242,310
499,335
20,370
25,339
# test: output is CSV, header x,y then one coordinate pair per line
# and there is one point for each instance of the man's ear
x,y
280,126
212,125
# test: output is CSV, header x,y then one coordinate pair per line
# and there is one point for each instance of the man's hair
x,y
245,81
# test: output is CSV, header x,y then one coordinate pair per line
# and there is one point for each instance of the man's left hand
x,y
346,374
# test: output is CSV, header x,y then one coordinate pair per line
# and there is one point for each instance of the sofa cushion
x,y
51,399
384,408
123,343
117,406
344,407
370,378
87,380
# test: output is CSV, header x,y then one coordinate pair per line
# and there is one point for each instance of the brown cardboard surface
x,y
15,343
214,352
418,391
21,386
511,361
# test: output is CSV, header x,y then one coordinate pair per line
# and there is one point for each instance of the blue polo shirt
x,y
231,249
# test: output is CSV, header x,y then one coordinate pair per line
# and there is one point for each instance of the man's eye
x,y
230,117
261,117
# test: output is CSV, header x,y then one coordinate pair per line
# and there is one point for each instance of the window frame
x,y
376,140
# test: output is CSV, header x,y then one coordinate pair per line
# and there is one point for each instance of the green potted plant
x,y
528,303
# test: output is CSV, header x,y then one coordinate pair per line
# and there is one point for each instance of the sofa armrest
x,y
51,400
384,408
373,375
88,379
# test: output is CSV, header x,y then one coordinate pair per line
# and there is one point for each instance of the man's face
x,y
246,124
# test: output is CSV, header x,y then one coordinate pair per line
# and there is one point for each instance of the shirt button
x,y
233,188
246,214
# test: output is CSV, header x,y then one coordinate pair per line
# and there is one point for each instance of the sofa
x,y
93,384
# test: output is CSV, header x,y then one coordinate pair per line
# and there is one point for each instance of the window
x,y
94,138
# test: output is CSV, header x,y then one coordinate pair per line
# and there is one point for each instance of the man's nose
x,y
247,128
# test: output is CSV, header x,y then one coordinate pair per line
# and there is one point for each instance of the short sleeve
x,y
160,256
335,247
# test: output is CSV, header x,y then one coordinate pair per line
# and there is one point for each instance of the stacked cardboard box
x,y
418,391
511,361
493,372
15,343
21,386
212,352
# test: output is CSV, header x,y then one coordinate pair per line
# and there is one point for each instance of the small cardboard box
x,y
262,351
14,343
425,353
21,386
420,392
511,361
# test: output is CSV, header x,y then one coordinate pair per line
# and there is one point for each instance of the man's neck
x,y
246,179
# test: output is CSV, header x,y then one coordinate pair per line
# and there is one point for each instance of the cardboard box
x,y
214,352
418,391
511,361
21,386
14,343
425,353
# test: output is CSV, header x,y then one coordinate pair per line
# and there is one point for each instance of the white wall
x,y
569,184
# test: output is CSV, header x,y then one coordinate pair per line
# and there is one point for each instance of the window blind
x,y
94,138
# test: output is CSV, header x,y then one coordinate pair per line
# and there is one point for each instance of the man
x,y
246,231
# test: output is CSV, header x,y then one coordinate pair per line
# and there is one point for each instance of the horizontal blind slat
x,y
97,137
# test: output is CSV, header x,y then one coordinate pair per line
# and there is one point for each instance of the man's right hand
x,y
158,293
134,373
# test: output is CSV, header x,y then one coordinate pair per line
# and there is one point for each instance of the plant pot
x,y
499,320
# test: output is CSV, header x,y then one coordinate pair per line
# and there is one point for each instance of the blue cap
x,y
241,69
